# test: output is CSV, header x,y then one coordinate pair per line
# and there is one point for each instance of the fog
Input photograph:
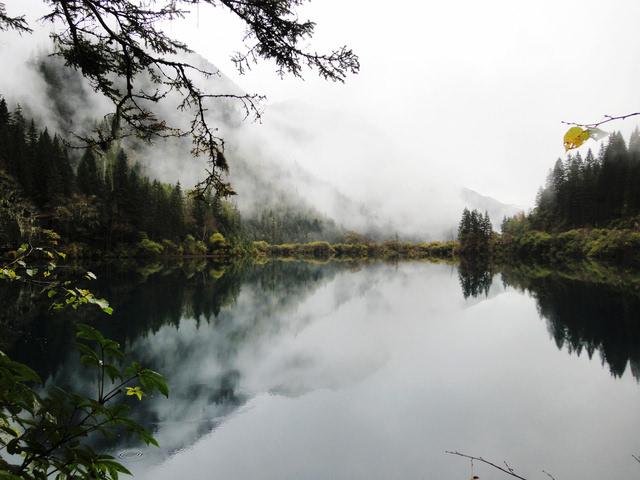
x,y
475,91
449,96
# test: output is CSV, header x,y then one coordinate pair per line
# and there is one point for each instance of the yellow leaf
x,y
575,137
136,391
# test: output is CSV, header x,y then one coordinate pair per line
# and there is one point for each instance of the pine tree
x,y
5,125
87,177
176,212
18,164
42,171
63,167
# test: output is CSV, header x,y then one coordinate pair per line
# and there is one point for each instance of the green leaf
x,y
86,350
597,134
115,468
10,430
120,410
133,370
90,276
89,333
13,446
112,371
88,361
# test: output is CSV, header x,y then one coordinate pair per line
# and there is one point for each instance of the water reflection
x,y
475,278
292,370
587,312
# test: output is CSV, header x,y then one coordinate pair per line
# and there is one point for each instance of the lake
x,y
294,370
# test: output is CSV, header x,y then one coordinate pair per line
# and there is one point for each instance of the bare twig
x,y
508,471
607,118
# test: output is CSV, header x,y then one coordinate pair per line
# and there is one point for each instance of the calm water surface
x,y
302,371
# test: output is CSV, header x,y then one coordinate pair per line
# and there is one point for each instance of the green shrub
x,y
217,243
148,248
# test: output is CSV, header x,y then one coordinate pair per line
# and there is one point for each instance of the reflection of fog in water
x,y
375,374
259,344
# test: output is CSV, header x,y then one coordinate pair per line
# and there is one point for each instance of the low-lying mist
x,y
326,163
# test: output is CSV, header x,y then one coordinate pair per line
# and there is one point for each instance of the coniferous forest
x,y
106,204
100,203
597,191
588,208
54,195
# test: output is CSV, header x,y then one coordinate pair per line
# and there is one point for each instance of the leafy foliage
x,y
43,434
46,432
63,293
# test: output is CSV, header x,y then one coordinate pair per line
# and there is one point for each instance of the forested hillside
x,y
105,203
589,207
110,203
594,191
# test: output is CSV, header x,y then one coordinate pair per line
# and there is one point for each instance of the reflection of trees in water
x,y
203,374
475,278
148,297
588,316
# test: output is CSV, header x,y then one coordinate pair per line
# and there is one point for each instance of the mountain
x,y
332,166
497,211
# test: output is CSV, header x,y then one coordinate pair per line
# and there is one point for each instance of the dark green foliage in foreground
x,y
44,433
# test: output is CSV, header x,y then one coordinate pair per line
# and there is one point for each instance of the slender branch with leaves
x,y
45,435
581,132
46,432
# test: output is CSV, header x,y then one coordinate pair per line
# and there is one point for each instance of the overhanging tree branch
x,y
12,23
116,44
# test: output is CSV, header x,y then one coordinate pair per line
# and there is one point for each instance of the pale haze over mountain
x,y
471,92
333,162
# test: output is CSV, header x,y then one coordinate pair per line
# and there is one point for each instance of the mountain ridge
x,y
334,165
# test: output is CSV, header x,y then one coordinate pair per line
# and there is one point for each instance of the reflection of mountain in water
x,y
588,315
215,332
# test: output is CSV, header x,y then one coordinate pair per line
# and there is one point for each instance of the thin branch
x,y
114,43
13,23
480,459
607,118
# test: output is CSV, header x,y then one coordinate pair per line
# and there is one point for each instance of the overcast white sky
x,y
475,89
